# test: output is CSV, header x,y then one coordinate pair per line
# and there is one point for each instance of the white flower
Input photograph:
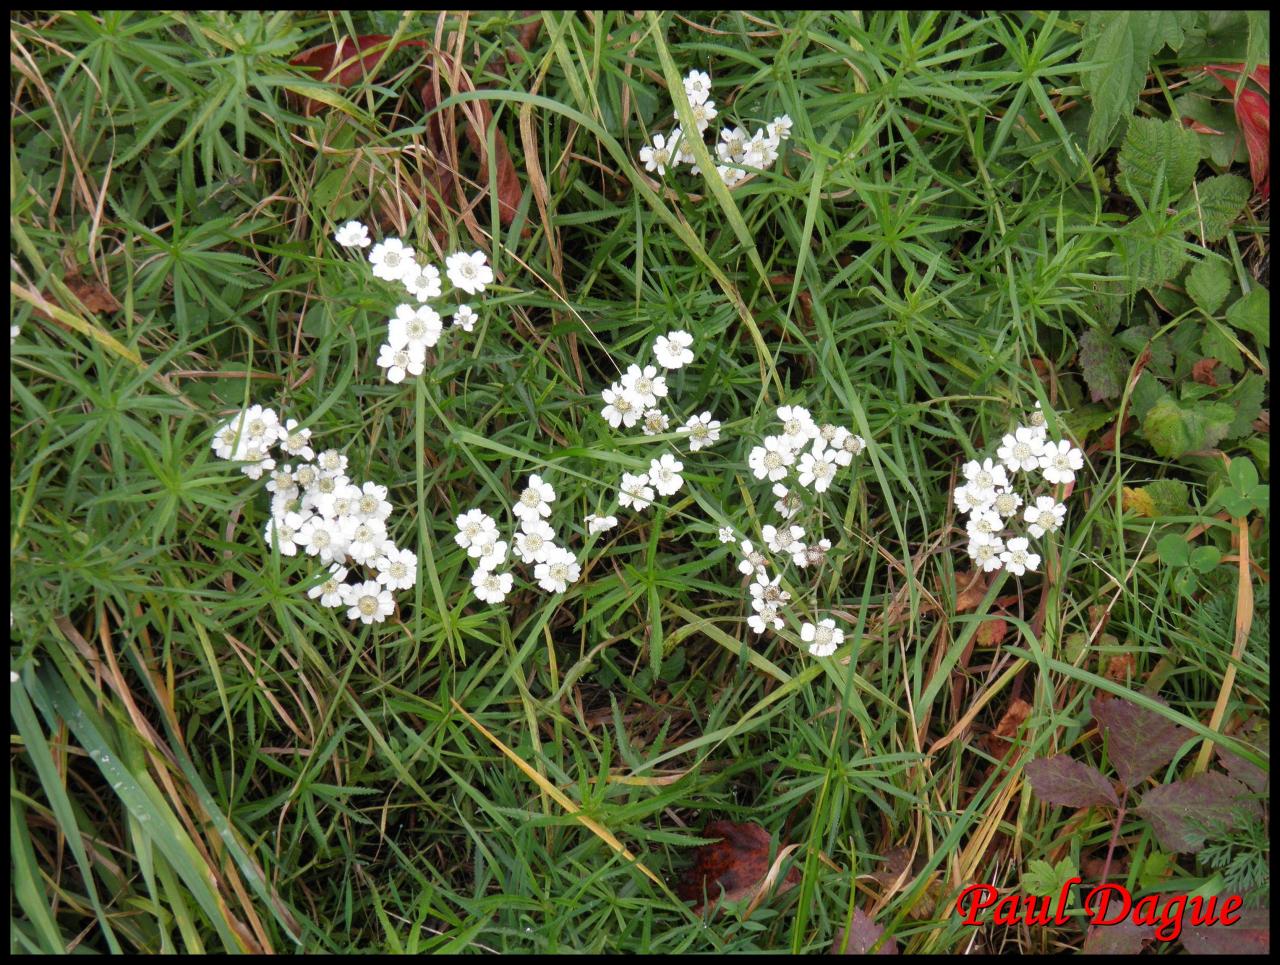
x,y
1036,420
1006,503
984,523
1059,461
490,586
400,362
782,539
817,469
1021,451
535,540
621,407
282,482
765,618
645,384
1017,558
767,592
797,425
683,147
779,128
725,534
813,553
788,503
364,538
330,461
257,460
556,573
600,524
283,530
664,474
465,318
474,526
469,272
414,328
655,422
823,638
397,569
1045,516
294,440
985,475
761,151
753,560
673,349
732,143
771,459
635,491
697,86
703,431
368,602
352,235
323,538
371,502
535,500
333,497
845,445
730,175
490,555
390,258
703,114
969,499
330,591
421,281
985,551
656,157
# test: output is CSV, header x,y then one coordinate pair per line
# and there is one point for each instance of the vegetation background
x,y
975,213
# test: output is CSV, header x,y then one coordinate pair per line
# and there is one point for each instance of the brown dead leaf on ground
x,y
1202,372
999,741
1122,667
737,865
971,588
861,936
992,632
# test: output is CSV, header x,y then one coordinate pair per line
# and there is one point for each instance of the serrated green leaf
x,y
1216,343
1169,27
1147,391
1224,148
1174,428
1139,338
1164,497
1252,314
1152,251
1115,43
1208,284
1103,365
1215,204
1157,152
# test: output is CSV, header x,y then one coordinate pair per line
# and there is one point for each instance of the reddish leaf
x,y
1122,938
1122,667
1061,780
1248,773
1202,372
1250,935
861,935
991,632
736,865
1184,813
338,63
895,863
971,588
1253,113
1139,740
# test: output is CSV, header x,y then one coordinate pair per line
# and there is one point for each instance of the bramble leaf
x,y
1184,814
1208,284
1139,740
1103,365
1215,204
1062,780
1157,151
1173,428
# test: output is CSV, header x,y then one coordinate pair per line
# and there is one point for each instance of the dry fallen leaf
x,y
736,865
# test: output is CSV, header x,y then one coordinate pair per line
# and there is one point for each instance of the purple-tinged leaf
x,y
1138,740
1184,813
1061,780
1122,938
1249,773
862,934
1251,935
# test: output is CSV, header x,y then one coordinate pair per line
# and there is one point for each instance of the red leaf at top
x,y
1253,113
331,60
737,864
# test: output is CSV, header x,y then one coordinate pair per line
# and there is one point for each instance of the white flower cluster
x,y
634,400
827,449
989,499
416,328
735,149
554,566
316,507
